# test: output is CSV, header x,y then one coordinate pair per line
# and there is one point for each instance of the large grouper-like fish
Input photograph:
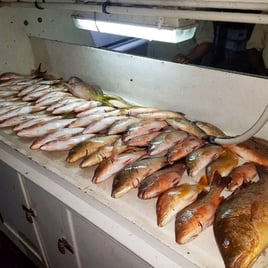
x,y
241,223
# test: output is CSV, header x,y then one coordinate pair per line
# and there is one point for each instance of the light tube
x,y
144,32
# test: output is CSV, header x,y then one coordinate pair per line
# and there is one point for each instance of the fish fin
x,y
218,180
38,71
203,180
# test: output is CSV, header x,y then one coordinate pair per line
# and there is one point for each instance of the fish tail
x,y
38,70
219,181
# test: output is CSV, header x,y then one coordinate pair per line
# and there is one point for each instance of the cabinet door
x,y
51,220
97,249
12,200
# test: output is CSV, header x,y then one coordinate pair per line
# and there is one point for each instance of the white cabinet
x,y
53,225
56,236
15,214
100,249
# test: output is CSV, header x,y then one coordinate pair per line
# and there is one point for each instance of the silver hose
x,y
246,135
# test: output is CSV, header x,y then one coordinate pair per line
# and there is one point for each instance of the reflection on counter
x,y
228,51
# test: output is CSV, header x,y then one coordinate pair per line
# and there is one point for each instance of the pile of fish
x,y
150,149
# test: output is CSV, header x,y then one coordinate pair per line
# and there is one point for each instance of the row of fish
x,y
149,149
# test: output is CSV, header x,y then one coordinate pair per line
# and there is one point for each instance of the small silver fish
x,y
102,124
87,120
68,107
98,109
66,144
121,126
143,127
21,110
61,134
159,115
18,119
134,110
86,106
44,128
41,118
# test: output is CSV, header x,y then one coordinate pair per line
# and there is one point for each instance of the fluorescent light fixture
x,y
138,31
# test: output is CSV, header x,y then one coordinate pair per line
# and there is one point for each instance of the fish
x,y
65,144
200,158
18,119
103,153
61,103
254,150
102,124
12,88
223,165
86,106
58,95
48,100
132,175
24,92
12,76
87,120
67,108
21,110
210,129
165,140
241,223
112,165
27,82
38,93
199,215
10,107
142,128
82,90
44,128
122,125
242,174
4,94
143,140
61,134
85,149
39,119
173,200
182,149
135,110
115,101
187,126
159,115
160,181
95,110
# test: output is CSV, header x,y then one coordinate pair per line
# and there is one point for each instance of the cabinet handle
x,y
29,214
63,244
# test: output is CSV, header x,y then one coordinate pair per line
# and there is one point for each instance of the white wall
x,y
17,24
